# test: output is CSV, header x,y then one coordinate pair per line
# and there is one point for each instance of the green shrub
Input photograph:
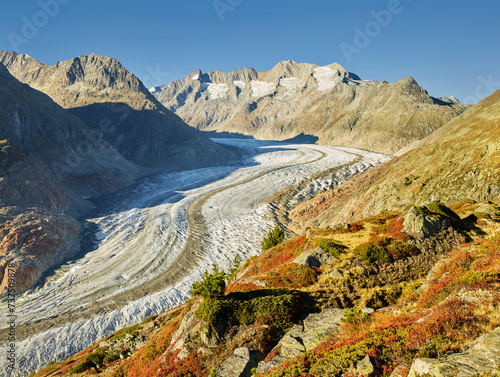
x,y
273,238
330,246
81,367
277,311
373,252
385,249
436,209
132,330
212,284
234,268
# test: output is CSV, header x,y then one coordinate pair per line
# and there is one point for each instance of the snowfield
x,y
326,77
150,242
261,88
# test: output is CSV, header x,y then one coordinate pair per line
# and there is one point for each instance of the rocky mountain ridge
x,y
292,99
114,103
49,161
459,161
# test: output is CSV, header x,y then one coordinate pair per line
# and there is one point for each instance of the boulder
x,y
317,327
315,258
189,329
240,363
337,274
365,367
420,226
292,344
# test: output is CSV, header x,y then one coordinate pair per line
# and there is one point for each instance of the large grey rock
x,y
317,327
481,356
420,226
188,330
240,363
292,344
314,258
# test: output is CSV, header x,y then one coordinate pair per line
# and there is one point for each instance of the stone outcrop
x,y
314,258
481,356
33,241
303,338
240,363
304,102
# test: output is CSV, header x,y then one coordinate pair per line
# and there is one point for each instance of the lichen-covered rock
x,y
481,356
188,329
314,258
291,344
365,367
420,226
31,241
317,327
240,363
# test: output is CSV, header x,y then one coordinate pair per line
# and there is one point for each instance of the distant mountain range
x,y
292,99
113,102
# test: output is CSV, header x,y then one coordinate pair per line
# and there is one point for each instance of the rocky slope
x,y
330,103
306,307
49,160
460,160
77,156
113,102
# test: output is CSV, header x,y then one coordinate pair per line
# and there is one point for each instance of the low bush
x,y
273,238
330,246
354,315
278,311
292,276
211,285
385,249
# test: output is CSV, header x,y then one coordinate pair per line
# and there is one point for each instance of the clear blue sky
x,y
451,47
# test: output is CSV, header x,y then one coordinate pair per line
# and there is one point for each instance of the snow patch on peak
x,y
239,84
326,77
216,91
291,84
195,77
155,89
261,88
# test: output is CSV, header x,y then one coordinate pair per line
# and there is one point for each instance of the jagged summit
x,y
293,98
108,98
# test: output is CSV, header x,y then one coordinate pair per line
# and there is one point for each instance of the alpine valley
x,y
295,222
